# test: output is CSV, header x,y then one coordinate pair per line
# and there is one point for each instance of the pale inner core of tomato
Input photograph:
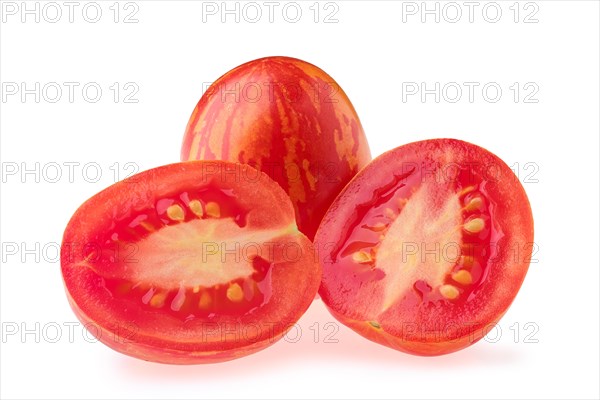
x,y
423,242
205,252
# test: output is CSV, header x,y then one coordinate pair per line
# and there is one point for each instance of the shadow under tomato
x,y
326,341
319,339
144,370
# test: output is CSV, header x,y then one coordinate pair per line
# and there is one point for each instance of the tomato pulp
x,y
189,263
289,119
426,247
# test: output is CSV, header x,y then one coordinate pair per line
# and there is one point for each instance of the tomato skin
x,y
354,296
281,115
126,325
123,339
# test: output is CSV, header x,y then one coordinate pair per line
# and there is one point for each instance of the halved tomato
x,y
426,247
189,263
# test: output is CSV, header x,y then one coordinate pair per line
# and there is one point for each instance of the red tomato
x,y
426,247
189,263
289,119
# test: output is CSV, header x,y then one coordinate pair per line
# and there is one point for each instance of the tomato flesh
x,y
423,261
178,252
289,119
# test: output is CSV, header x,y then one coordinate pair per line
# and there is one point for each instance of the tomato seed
x,y
475,225
205,301
235,293
449,291
463,277
213,209
196,208
476,203
175,212
378,227
158,300
466,190
362,257
147,226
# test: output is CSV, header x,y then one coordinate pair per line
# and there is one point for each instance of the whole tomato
x,y
289,119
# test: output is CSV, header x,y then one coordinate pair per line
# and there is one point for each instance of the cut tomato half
x,y
189,263
426,248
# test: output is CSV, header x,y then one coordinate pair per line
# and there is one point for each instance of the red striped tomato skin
x,y
289,119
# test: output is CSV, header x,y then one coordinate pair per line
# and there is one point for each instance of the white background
x,y
372,53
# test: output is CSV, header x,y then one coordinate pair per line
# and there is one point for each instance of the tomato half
x,y
189,263
289,119
426,247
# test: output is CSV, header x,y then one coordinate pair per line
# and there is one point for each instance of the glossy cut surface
x,y
426,247
289,119
189,263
